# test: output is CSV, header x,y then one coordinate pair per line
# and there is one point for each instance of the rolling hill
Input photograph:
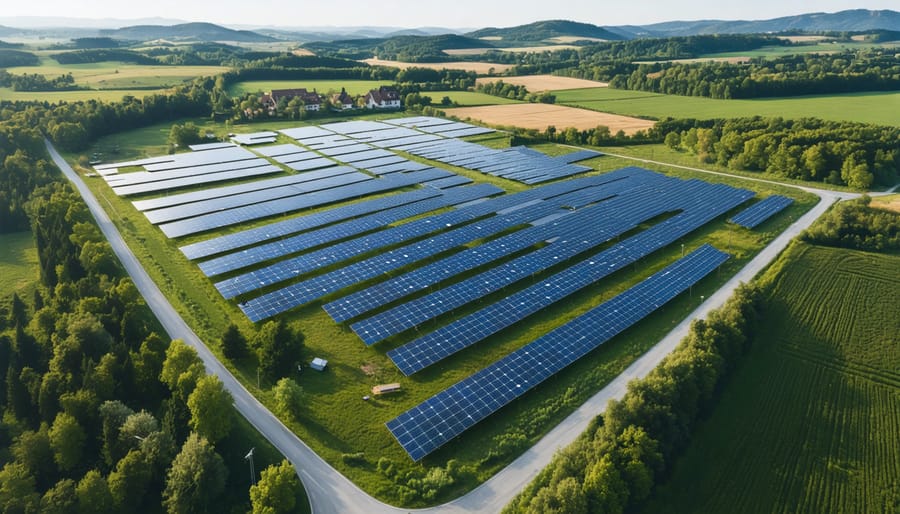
x,y
851,20
186,31
544,30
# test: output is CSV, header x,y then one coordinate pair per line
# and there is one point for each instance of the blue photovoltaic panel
x,y
209,146
335,232
218,192
295,203
381,161
279,150
144,177
434,422
340,150
188,160
398,167
711,202
290,268
580,155
253,197
310,164
209,178
316,287
352,127
443,183
759,212
365,155
283,228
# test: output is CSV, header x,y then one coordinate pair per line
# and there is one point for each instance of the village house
x,y
343,100
383,98
311,99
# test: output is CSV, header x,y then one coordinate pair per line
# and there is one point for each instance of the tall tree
x,y
234,344
211,409
93,494
196,478
277,490
67,440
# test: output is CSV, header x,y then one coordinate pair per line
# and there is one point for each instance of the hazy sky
x,y
417,13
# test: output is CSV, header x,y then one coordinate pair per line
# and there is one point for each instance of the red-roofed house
x,y
311,100
343,100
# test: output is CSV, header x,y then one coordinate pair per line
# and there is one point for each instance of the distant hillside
x,y
543,30
852,20
402,48
186,31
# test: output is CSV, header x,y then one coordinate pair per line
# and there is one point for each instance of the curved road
x,y
330,492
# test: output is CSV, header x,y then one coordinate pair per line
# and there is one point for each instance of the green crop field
x,y
810,422
467,98
118,75
875,107
337,423
18,262
104,95
353,87
820,47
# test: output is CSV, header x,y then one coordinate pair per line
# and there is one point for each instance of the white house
x,y
383,98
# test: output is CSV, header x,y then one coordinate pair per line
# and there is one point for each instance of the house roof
x,y
307,96
384,94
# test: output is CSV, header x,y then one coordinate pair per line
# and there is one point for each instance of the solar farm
x,y
365,221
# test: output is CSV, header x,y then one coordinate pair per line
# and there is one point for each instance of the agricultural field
x,y
874,107
18,262
540,116
468,98
810,422
336,423
535,83
117,75
512,49
106,95
817,47
481,68
887,202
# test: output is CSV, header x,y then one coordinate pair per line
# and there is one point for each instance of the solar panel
x,y
759,212
218,192
177,212
209,146
291,204
143,177
305,132
189,181
434,422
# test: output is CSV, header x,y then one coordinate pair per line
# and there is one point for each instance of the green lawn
x,y
353,87
874,107
810,422
18,263
337,422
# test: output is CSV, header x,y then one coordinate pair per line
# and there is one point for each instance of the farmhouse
x,y
310,99
383,98
343,100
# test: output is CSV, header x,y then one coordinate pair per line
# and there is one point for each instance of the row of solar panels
x,y
753,216
436,421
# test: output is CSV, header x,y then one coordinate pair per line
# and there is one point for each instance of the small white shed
x,y
318,364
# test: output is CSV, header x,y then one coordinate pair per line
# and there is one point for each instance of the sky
x,y
421,13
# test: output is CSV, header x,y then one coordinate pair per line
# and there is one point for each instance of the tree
x,y
277,490
33,451
184,135
112,415
136,428
288,398
279,348
60,499
93,494
129,482
211,409
196,478
234,344
17,490
181,369
67,440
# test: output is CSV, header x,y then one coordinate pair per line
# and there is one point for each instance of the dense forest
x,y
9,58
855,224
844,153
101,414
514,92
616,463
37,82
400,48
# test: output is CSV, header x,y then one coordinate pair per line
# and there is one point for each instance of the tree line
x,y
37,82
843,153
514,92
613,467
792,75
856,224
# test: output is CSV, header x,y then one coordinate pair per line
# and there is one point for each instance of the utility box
x,y
318,364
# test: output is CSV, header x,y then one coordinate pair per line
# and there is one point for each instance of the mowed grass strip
x,y
353,87
872,107
810,422
18,262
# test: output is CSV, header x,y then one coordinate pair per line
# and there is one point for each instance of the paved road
x,y
332,493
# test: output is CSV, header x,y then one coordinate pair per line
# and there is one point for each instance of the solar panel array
x,y
516,163
255,138
759,212
434,422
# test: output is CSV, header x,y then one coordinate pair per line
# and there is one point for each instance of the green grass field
x,y
118,75
810,422
819,47
337,422
468,98
353,87
877,107
18,263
